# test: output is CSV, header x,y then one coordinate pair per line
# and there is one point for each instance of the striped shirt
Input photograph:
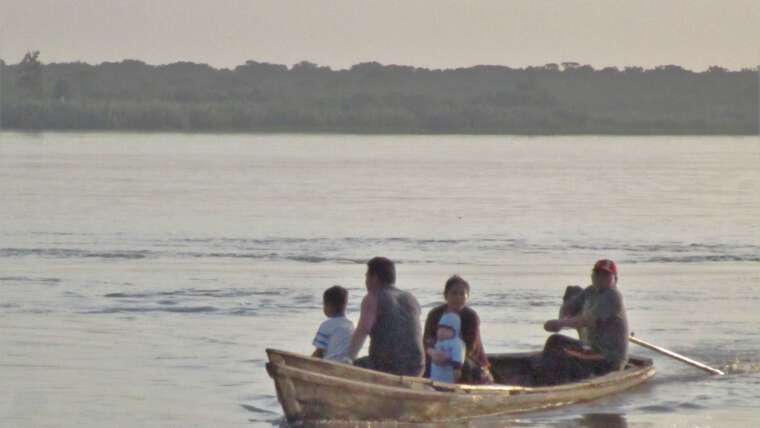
x,y
334,337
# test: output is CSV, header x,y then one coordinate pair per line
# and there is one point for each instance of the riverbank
x,y
371,98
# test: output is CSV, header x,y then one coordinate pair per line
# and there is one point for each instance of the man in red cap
x,y
599,316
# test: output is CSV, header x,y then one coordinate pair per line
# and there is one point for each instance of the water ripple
x,y
353,250
143,309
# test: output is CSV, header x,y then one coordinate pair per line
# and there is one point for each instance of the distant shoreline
x,y
374,99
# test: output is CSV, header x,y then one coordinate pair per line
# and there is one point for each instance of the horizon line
x,y
561,65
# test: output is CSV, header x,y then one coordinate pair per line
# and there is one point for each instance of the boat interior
x,y
519,368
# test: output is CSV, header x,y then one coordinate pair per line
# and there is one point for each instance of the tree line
x,y
566,98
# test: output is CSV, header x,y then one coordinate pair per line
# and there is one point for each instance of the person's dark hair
x,y
455,280
383,268
337,297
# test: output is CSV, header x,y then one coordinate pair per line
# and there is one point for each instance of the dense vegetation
x,y
375,98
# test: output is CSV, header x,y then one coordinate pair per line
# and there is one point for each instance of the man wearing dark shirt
x,y
391,318
599,315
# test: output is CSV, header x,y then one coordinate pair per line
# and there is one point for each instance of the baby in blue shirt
x,y
449,344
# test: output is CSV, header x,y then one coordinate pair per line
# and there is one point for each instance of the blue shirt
x,y
454,348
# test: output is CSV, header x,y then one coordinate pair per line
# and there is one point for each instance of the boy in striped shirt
x,y
334,334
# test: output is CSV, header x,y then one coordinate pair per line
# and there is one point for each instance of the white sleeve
x,y
322,338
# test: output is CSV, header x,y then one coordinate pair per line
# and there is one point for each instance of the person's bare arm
x,y
364,326
578,321
357,341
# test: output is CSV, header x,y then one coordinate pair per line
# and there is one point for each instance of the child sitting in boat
x,y
450,346
334,334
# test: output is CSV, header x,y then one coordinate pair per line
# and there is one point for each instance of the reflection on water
x,y
602,420
378,424
390,424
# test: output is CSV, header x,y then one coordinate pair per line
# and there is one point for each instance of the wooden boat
x,y
312,389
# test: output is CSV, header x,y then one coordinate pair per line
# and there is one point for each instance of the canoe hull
x,y
314,389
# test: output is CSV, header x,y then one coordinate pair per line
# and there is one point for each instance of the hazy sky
x,y
339,33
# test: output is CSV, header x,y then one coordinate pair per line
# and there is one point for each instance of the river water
x,y
143,275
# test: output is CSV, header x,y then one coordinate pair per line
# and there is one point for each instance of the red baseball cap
x,y
606,265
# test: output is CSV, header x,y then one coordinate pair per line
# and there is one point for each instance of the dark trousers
x,y
558,364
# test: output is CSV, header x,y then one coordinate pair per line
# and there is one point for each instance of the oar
x,y
674,355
